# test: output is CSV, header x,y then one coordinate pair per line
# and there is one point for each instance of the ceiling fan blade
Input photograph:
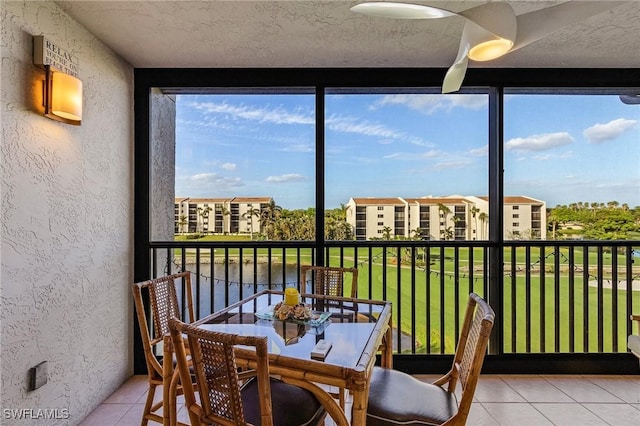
x,y
401,10
456,72
455,75
497,18
630,99
536,25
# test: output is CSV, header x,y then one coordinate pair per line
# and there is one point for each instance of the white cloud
x,y
299,147
608,131
446,165
431,103
479,152
289,177
349,125
276,115
431,153
206,183
539,142
412,156
229,166
544,157
365,128
204,177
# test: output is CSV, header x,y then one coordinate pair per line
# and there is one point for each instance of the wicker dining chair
x,y
398,398
223,400
163,304
633,343
328,280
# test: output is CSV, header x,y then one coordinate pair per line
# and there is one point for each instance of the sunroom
x,y
90,209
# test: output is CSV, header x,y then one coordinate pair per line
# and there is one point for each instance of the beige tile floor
x,y
499,400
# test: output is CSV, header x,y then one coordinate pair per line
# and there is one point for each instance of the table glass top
x,y
346,324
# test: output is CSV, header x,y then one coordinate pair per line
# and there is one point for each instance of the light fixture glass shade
x,y
489,50
66,96
63,97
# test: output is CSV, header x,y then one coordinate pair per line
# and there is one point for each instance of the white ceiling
x,y
307,33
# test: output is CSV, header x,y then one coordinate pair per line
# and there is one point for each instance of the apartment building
x,y
373,217
452,217
219,215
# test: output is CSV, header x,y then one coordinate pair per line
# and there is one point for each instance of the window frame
x,y
489,80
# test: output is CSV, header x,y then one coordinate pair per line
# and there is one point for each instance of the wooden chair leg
x,y
149,404
173,396
167,376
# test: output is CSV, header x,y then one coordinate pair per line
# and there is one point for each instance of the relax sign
x,y
46,52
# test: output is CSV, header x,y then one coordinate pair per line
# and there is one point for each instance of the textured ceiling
x,y
327,34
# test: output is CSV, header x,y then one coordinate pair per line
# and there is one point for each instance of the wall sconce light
x,y
62,97
62,91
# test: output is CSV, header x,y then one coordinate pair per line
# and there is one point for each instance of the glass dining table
x,y
356,329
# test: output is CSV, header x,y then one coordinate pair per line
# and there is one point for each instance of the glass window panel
x,y
413,156
245,165
579,156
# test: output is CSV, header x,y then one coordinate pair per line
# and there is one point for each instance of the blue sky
x,y
560,149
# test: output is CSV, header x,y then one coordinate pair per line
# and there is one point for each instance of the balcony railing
x,y
550,297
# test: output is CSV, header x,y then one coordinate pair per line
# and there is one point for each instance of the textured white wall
x,y
66,222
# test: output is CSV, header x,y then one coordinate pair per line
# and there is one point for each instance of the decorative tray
x,y
315,318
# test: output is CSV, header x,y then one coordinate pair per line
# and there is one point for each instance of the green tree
x,y
474,212
249,215
444,215
386,233
269,215
182,223
484,221
225,215
204,214
337,230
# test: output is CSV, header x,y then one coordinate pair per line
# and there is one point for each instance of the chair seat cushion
x,y
291,405
396,398
634,344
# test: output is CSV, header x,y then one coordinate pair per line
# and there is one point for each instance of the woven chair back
x,y
163,303
214,363
328,281
471,349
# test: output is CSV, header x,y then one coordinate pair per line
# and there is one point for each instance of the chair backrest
x,y
328,280
163,303
216,374
470,351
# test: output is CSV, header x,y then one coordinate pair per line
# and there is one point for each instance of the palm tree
x,y
225,213
343,211
182,223
269,215
444,213
203,213
484,218
474,211
386,233
417,233
447,233
553,221
249,214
